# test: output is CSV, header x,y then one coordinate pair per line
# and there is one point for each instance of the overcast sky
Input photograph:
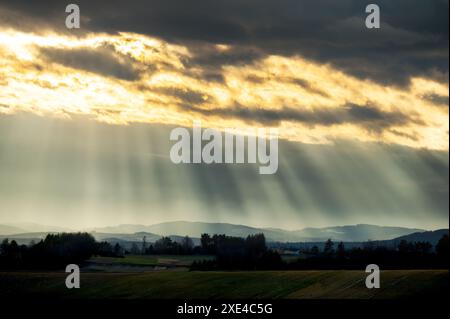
x,y
85,115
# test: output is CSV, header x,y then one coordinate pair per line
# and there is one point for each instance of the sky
x,y
362,114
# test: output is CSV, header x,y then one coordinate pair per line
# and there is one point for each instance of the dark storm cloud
x,y
104,61
240,55
413,39
367,117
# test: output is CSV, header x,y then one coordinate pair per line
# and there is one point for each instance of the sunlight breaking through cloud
x,y
129,78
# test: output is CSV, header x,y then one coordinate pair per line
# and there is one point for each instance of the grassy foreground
x,y
267,284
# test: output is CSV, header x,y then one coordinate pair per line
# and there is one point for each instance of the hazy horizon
x,y
25,223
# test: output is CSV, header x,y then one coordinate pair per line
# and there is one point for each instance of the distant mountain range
x,y
17,228
432,237
9,230
350,233
359,232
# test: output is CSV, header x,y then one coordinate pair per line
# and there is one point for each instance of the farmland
x,y
256,284
143,262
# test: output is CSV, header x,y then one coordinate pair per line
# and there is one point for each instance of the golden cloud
x,y
127,78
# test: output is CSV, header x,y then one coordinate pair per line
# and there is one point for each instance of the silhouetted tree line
x,y
252,253
167,246
407,255
234,253
55,251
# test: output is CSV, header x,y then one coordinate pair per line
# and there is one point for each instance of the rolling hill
x,y
195,229
26,227
178,229
9,230
432,237
351,233
360,232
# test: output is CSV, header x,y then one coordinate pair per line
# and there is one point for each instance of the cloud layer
x,y
128,78
413,40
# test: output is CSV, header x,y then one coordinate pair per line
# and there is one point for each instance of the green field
x,y
149,260
264,284
161,260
